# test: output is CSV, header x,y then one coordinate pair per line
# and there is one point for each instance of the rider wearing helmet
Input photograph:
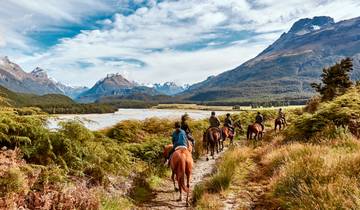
x,y
185,127
229,122
281,115
260,120
214,121
178,140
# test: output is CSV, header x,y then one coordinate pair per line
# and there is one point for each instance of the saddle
x,y
181,147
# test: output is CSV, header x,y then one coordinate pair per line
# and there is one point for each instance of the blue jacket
x,y
179,139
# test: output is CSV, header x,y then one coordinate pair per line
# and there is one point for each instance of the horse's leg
x,y
173,179
213,150
207,151
180,190
188,175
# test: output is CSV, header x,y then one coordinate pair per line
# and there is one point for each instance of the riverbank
x,y
101,121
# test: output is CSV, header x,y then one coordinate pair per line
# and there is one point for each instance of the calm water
x,y
99,121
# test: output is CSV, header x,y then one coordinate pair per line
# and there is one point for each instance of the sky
x,y
149,41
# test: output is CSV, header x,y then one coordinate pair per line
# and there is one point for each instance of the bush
x,y
312,105
341,112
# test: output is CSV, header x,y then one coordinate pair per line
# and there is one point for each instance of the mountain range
x,y
114,85
13,77
285,69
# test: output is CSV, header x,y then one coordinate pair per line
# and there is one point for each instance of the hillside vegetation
x,y
313,164
52,103
75,168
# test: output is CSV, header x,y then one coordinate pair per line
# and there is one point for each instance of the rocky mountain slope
x,y
286,68
13,77
114,85
169,88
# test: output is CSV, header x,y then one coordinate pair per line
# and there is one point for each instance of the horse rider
x,y
281,115
178,140
260,120
185,127
214,122
229,122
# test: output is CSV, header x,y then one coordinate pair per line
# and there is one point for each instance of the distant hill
x,y
72,92
26,99
114,85
285,69
14,78
169,88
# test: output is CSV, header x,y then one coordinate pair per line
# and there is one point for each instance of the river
x,y
100,121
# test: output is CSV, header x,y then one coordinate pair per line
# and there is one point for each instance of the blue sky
x,y
185,41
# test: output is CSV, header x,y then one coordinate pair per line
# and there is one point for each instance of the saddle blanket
x,y
180,147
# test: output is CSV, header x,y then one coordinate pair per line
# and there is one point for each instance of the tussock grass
x,y
344,111
234,166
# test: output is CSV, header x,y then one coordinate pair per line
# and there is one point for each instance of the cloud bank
x,y
150,41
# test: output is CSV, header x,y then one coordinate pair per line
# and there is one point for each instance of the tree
x,y
335,80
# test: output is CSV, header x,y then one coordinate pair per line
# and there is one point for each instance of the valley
x,y
91,104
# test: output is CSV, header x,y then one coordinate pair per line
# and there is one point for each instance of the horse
x,y
181,164
256,129
227,133
279,122
211,138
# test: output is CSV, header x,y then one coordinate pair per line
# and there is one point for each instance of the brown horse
x,y
279,122
181,164
228,133
256,129
211,138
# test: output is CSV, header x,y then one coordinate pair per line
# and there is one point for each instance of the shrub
x,y
312,104
341,112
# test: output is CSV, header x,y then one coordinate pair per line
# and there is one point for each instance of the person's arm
x,y
218,121
173,138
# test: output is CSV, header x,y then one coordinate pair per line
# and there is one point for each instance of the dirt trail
x,y
165,196
251,194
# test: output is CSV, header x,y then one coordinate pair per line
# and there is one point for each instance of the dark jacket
x,y
259,118
185,127
214,121
228,122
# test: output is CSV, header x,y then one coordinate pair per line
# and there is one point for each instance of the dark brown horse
x,y
256,129
181,164
211,139
279,122
228,133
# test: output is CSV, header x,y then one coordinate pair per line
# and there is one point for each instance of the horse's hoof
x,y
207,159
176,190
178,199
187,204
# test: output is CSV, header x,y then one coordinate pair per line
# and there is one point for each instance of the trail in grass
x,y
165,196
251,193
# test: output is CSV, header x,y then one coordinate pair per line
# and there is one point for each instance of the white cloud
x,y
155,34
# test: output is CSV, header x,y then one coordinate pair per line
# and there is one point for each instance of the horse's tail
x,y
248,132
181,174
